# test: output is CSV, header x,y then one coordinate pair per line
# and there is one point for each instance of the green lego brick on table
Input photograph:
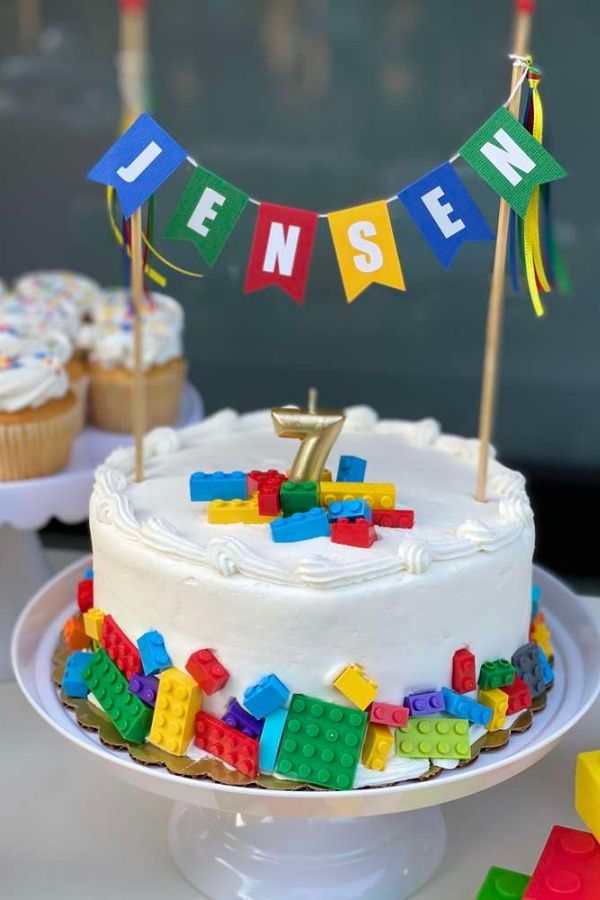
x,y
502,884
130,715
321,743
298,496
496,674
430,737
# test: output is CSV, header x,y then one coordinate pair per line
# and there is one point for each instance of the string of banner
x,y
507,154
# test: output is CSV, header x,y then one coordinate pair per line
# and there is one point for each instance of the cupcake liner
x,y
80,387
112,392
33,446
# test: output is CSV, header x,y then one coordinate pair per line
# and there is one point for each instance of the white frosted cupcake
x,y
38,416
115,305
26,314
58,287
111,363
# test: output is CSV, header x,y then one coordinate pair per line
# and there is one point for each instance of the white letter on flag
x,y
204,210
506,156
372,258
440,212
281,248
139,165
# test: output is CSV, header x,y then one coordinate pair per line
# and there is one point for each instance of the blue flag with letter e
x,y
138,163
444,212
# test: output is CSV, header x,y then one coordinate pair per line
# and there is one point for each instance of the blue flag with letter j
x,y
444,213
138,163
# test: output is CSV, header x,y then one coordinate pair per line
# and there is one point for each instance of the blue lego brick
x,y
301,526
351,468
218,486
89,574
463,707
547,670
536,594
270,740
425,703
73,684
349,509
265,696
153,653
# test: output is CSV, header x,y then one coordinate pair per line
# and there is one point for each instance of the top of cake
x,y
434,475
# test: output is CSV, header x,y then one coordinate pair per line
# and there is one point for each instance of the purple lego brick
x,y
425,703
236,716
145,687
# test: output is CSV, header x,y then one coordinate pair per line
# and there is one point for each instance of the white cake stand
x,y
28,505
380,843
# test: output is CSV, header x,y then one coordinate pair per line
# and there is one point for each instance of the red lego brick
x,y
233,747
85,594
121,650
355,533
568,867
394,518
464,677
269,503
388,714
519,696
255,478
205,668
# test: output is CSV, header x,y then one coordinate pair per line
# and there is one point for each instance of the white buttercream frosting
x,y
112,344
26,341
57,287
30,380
24,314
460,577
115,303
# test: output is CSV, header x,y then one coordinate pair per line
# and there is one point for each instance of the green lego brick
x,y
496,674
298,496
321,743
430,737
502,884
130,715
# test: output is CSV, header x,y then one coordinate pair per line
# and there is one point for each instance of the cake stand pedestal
x,y
381,843
26,506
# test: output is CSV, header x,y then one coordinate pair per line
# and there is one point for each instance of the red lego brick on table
x,y
464,676
85,594
255,478
205,668
121,650
568,867
355,532
226,743
394,518
269,503
519,696
388,714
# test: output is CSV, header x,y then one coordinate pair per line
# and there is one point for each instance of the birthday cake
x,y
369,627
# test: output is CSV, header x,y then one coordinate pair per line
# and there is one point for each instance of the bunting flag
x,y
365,248
138,163
281,249
207,214
504,154
444,213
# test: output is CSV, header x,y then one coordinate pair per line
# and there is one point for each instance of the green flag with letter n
x,y
207,213
510,159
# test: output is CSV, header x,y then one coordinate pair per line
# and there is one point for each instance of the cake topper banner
x,y
502,152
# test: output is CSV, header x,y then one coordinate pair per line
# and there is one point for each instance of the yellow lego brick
x,y
497,701
378,496
92,623
178,700
377,746
230,512
354,685
540,633
587,790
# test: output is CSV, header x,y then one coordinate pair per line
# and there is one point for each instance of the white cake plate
x,y
28,505
380,843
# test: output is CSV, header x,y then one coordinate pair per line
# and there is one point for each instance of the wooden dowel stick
x,y
496,299
137,299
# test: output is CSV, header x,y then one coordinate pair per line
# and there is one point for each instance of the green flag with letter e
x,y
512,162
207,213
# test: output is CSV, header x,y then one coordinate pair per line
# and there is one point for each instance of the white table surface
x,y
67,831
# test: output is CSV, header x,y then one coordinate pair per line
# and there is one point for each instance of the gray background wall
x,y
324,105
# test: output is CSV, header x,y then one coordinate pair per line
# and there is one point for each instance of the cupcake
x,y
38,416
59,287
115,305
111,362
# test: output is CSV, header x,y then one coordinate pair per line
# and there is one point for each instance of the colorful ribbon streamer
x,y
534,264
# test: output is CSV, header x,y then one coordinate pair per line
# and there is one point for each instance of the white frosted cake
x,y
384,622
